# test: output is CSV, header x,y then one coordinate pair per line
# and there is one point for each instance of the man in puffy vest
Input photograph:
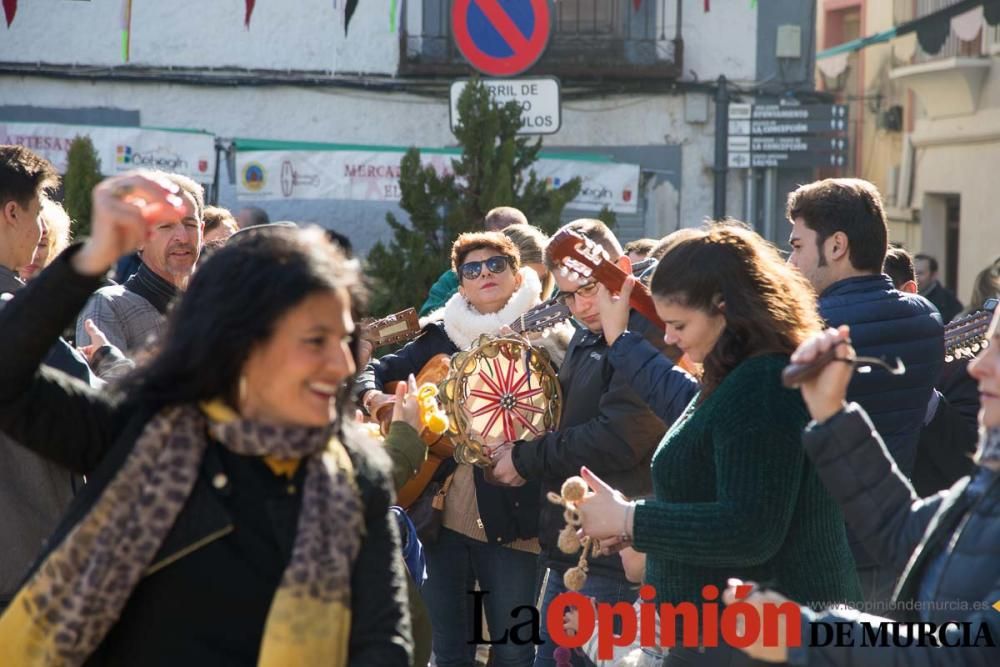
x,y
839,241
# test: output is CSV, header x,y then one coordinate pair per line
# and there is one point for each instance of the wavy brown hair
x,y
769,307
472,241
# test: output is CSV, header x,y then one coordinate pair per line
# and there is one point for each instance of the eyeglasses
x,y
495,264
587,291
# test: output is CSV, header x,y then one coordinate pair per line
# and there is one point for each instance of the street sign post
x,y
794,136
501,39
538,98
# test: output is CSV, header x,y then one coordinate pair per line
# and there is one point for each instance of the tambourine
x,y
499,390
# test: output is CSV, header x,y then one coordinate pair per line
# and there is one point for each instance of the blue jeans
x,y
602,589
506,579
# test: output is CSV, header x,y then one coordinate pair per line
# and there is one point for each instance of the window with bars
x,y
590,18
589,38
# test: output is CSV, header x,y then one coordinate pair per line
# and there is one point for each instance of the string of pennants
x,y
964,18
349,6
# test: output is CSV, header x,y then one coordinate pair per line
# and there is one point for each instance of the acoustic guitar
x,y
396,328
583,260
966,336
440,447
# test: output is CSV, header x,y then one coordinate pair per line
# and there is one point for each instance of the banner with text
x,y
120,148
373,175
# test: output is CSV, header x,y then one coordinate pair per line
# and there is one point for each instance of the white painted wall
x,y
300,35
722,40
308,35
348,116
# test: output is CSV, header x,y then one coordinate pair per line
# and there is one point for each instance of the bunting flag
x,y
246,19
933,34
967,26
126,29
393,12
9,9
991,12
349,12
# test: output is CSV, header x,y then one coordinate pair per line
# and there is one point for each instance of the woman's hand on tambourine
x,y
614,309
503,470
824,393
122,210
605,512
406,408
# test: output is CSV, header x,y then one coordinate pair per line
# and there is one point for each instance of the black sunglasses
x,y
495,264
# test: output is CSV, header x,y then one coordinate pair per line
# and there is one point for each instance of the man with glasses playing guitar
x,y
605,426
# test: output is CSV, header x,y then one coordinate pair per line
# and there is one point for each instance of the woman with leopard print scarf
x,y
228,518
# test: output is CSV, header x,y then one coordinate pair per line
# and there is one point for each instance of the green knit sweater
x,y
737,497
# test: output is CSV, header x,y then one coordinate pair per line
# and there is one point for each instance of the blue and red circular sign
x,y
501,37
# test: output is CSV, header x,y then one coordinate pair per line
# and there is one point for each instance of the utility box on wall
x,y
789,43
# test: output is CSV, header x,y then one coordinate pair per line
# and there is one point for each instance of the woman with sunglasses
x,y
489,532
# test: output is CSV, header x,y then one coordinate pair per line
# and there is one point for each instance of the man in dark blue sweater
x,y
839,241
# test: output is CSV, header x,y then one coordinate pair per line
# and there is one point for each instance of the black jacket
x,y
605,426
206,597
507,513
906,534
945,449
947,303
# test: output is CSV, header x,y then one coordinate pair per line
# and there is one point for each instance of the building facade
x,y
637,88
925,124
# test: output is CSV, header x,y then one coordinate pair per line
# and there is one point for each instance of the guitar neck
x,y
544,315
613,277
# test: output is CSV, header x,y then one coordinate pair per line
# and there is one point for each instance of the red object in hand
x,y
153,212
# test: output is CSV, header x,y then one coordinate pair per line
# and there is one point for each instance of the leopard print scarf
x,y
77,594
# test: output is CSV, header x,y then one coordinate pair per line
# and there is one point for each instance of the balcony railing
x,y
590,39
906,10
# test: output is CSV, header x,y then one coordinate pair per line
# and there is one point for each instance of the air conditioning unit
x,y
891,120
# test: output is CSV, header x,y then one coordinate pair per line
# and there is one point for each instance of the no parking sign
x,y
501,37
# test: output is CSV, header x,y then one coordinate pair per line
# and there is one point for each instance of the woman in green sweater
x,y
735,494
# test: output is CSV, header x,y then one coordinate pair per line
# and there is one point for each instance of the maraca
x,y
432,416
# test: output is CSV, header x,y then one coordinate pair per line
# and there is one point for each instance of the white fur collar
x,y
464,324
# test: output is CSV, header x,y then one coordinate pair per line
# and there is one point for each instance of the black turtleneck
x,y
151,287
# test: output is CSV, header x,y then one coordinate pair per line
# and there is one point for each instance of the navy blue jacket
x,y
908,533
508,513
888,323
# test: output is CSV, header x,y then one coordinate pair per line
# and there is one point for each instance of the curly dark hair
x,y
769,306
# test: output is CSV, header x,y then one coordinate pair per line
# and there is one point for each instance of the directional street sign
x,y
501,39
802,112
795,144
793,136
797,160
797,126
